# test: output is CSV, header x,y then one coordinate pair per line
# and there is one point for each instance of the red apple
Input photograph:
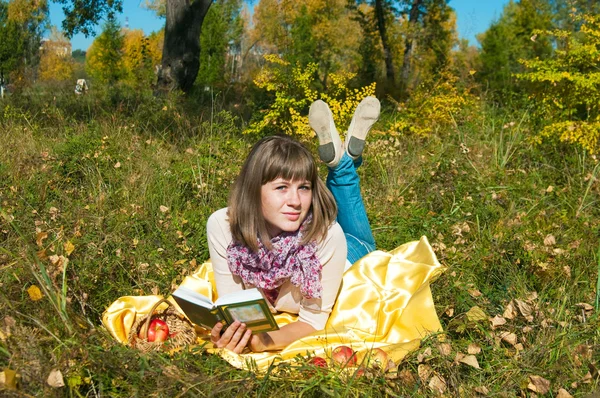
x,y
378,359
343,355
158,330
318,362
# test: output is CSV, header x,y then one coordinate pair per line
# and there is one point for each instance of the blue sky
x,y
473,17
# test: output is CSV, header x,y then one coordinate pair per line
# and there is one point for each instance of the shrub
x,y
566,87
294,91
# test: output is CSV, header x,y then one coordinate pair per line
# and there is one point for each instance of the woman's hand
x,y
235,338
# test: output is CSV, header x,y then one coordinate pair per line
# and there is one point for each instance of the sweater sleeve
x,y
219,238
332,254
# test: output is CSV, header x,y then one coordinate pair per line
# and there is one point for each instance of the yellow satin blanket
x,y
385,301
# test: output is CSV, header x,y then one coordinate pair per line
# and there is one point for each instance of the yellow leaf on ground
x,y
69,247
39,238
55,379
476,314
538,384
8,379
34,292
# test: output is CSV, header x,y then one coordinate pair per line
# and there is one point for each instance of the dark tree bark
x,y
409,44
387,53
181,50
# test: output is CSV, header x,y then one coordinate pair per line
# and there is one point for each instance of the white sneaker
x,y
365,116
320,120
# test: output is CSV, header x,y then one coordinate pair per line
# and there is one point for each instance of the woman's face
x,y
285,204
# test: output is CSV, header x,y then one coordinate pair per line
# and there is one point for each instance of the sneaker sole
x,y
367,113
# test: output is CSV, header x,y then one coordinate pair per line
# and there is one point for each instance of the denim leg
x,y
344,184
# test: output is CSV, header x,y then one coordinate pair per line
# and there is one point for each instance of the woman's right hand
x,y
235,338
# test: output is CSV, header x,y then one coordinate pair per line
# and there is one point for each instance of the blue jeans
x,y
344,184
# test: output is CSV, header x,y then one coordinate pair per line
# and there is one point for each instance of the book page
x,y
239,297
193,297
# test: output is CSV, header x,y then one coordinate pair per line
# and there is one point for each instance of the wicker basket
x,y
181,331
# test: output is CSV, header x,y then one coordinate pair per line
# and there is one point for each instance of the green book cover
x,y
247,306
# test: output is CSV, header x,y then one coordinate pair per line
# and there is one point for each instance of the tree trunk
x,y
387,53
181,50
409,44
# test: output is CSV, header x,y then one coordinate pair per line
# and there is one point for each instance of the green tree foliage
x,y
319,31
511,39
566,86
220,43
21,25
11,42
104,60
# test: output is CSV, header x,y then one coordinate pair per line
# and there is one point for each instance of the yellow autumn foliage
x,y
566,87
56,63
294,91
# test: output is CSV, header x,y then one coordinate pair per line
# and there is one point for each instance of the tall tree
x,y
181,50
104,59
387,53
220,43
510,39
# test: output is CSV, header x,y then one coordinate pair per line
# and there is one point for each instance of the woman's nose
x,y
293,197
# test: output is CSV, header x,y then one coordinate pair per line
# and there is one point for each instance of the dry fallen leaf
x,y
39,238
424,371
164,209
509,311
406,378
423,355
474,349
482,390
449,311
437,384
508,337
497,321
538,384
476,314
562,393
445,349
474,293
470,360
34,292
524,308
549,240
55,379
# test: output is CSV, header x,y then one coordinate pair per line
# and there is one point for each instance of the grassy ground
x,y
99,202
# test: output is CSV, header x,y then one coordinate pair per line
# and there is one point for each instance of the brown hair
x,y
271,158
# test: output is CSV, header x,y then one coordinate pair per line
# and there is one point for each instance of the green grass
x,y
507,218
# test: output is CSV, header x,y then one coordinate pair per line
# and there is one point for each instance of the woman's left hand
x,y
235,338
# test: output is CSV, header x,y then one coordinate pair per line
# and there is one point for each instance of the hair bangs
x,y
294,164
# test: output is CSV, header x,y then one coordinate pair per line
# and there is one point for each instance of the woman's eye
x,y
280,187
305,187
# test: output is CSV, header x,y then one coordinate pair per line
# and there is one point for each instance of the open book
x,y
247,306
